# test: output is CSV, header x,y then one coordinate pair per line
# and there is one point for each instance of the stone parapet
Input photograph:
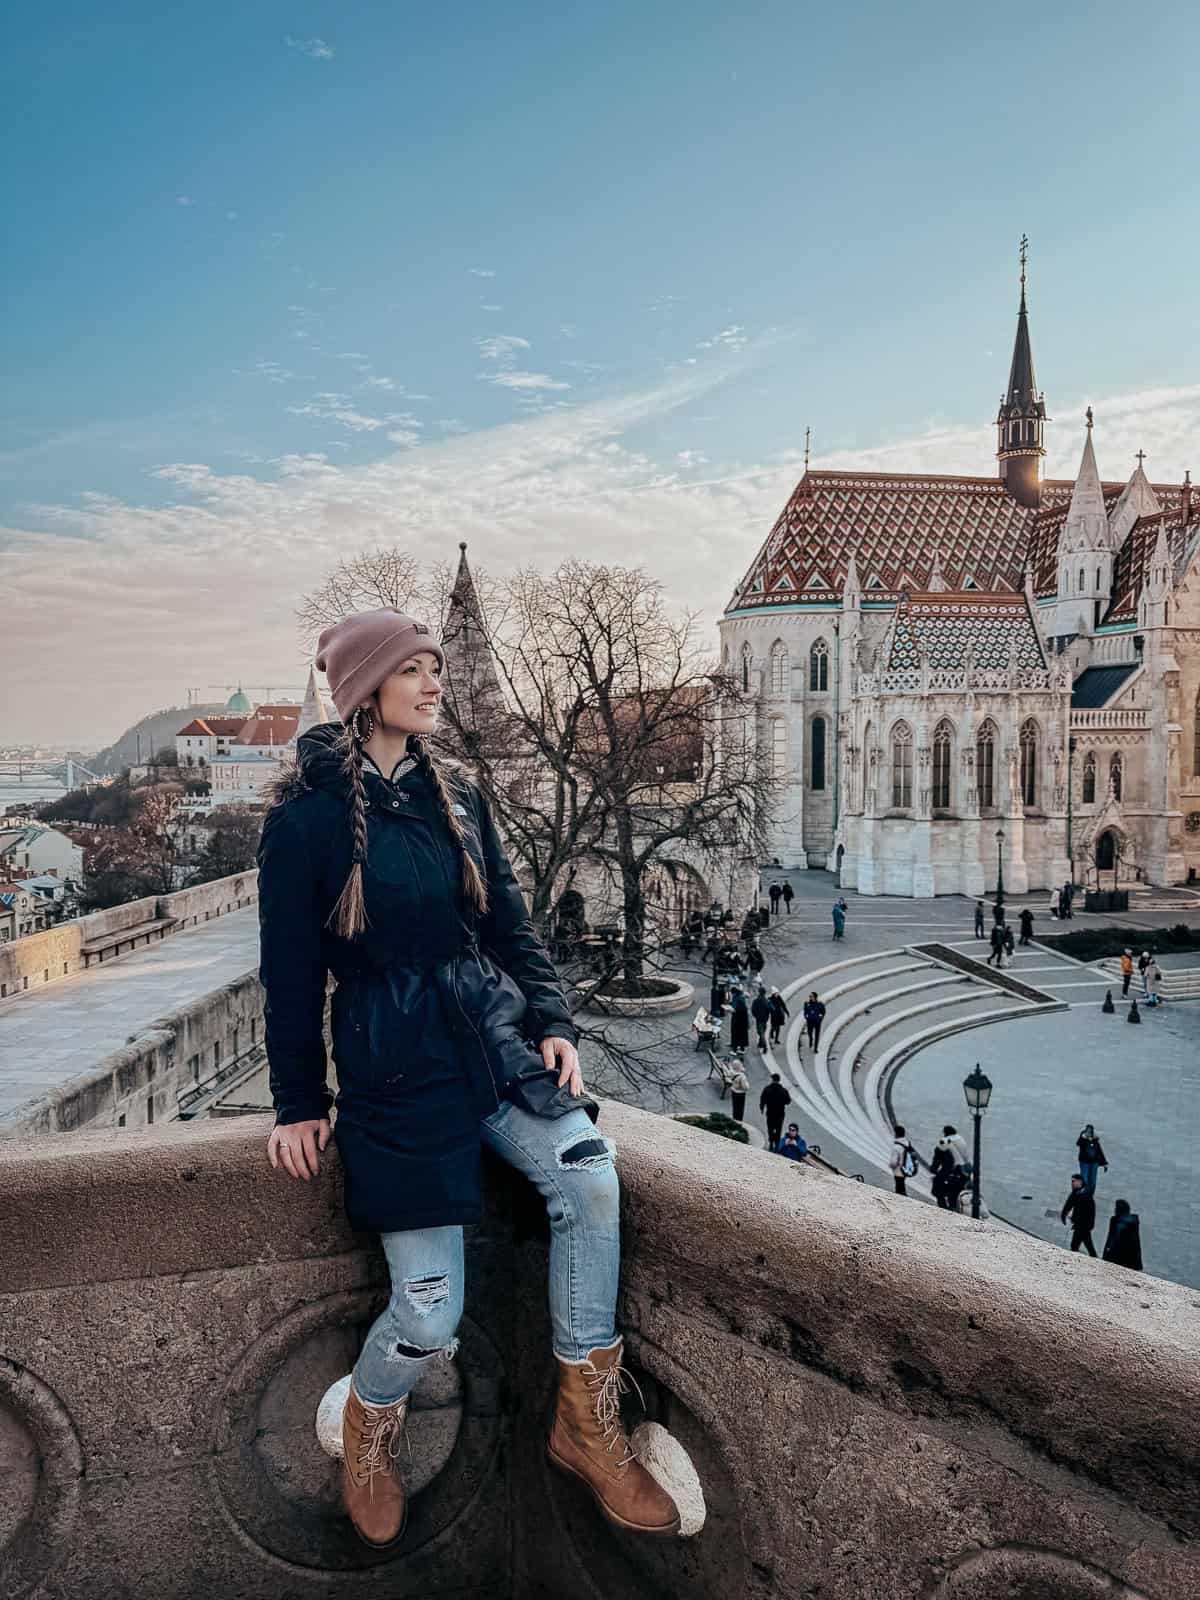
x,y
882,1401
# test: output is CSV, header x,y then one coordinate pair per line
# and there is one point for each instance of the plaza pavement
x,y
1053,1071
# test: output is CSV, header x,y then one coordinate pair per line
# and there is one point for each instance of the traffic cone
x,y
1108,1006
1134,1014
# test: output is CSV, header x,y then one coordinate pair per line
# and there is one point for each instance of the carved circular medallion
x,y
284,1492
41,1468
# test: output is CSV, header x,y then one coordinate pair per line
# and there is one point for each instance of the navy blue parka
x,y
436,1009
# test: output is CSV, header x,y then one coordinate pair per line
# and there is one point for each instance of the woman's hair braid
x,y
473,882
349,916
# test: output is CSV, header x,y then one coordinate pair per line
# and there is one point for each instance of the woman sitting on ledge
x,y
380,863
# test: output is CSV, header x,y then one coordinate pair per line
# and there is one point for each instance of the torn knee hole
x,y
426,1294
414,1352
586,1154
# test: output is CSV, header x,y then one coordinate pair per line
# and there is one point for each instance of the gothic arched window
x,y
745,669
1089,779
779,750
1029,762
816,753
985,765
1114,776
902,765
943,750
779,667
818,667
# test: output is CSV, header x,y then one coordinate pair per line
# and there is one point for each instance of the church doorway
x,y
1106,851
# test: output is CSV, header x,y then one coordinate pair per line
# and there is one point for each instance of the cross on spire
x,y
1141,456
1024,254
1089,419
807,435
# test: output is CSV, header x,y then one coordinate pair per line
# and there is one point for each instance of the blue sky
x,y
285,279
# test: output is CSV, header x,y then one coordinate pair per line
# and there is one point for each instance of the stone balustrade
x,y
882,1401
1109,717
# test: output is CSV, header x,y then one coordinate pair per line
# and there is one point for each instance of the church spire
x,y
313,710
472,682
1022,416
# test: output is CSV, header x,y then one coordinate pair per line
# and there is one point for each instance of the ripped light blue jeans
x,y
572,1165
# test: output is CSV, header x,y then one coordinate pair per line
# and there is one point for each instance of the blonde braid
x,y
473,882
349,916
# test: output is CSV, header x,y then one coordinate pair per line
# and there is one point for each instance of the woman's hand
x,y
558,1053
294,1145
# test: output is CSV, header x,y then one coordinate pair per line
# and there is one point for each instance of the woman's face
x,y
410,697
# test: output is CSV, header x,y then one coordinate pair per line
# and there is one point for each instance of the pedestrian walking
x,y
903,1160
979,919
1026,926
1080,1208
760,1010
1123,1246
1008,941
792,1145
739,1088
779,1013
814,1016
789,895
839,919
1055,897
381,863
773,1103
773,894
949,1158
1143,969
755,960
1065,900
739,1022
1126,972
1091,1157
997,913
998,932
1153,982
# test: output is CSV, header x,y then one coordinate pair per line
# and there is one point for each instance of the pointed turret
x,y
1085,554
851,588
472,682
937,578
1154,604
1022,417
1138,499
313,710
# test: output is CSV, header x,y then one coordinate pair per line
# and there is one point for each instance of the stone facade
x,y
880,1400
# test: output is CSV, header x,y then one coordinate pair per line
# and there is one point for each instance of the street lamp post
x,y
978,1090
1071,742
999,867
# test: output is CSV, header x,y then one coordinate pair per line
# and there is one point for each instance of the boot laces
x,y
382,1434
607,1389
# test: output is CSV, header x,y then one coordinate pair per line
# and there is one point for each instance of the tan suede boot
x,y
589,1441
373,1491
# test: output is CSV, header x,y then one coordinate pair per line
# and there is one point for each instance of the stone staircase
x,y
1178,983
881,1009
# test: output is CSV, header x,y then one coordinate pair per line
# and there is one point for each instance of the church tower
x,y
472,685
1022,419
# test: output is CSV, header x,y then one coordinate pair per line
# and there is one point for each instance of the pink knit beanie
x,y
359,652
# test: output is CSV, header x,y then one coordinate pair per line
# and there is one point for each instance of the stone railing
x,y
69,947
911,680
1109,717
881,1401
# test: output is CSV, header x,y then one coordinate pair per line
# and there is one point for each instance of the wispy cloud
x,y
485,306
211,578
315,49
339,408
501,346
184,200
481,272
524,380
728,339
689,460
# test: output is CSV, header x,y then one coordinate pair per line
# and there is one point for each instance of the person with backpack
x,y
814,1015
1080,1207
773,1102
903,1160
779,1013
792,1145
760,1010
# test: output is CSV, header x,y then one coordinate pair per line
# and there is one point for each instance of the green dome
x,y
239,705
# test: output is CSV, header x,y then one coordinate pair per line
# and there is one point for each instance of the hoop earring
x,y
362,724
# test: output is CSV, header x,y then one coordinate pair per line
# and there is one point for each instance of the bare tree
x,y
369,581
155,837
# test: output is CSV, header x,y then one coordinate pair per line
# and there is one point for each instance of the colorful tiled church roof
x,y
902,528
943,627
